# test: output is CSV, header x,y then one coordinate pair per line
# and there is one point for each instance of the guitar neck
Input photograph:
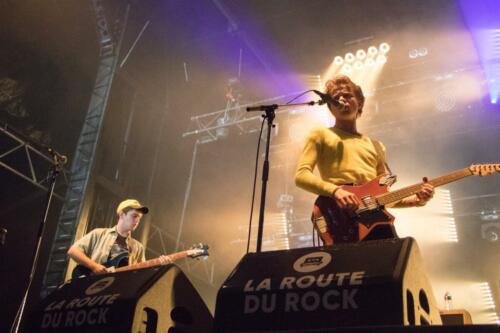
x,y
391,197
152,262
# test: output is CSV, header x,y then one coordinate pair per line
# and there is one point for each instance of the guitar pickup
x,y
388,180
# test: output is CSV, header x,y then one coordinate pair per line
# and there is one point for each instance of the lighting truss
x,y
207,125
21,158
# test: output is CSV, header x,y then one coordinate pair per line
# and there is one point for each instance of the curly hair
x,y
339,83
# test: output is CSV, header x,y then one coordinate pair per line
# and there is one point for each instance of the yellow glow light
x,y
384,48
349,57
360,54
338,60
346,68
358,65
369,62
381,59
372,51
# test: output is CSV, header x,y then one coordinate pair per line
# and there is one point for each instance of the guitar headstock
x,y
484,169
198,250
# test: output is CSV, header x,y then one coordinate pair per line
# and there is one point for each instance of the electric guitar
x,y
120,262
353,227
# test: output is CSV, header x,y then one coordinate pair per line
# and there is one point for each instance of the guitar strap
x,y
381,155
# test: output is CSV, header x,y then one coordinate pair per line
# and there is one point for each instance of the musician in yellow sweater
x,y
344,156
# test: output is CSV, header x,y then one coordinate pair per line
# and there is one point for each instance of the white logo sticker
x,y
99,285
312,262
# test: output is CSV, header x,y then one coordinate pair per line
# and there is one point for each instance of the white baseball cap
x,y
132,203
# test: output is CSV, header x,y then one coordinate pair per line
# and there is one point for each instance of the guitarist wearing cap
x,y
105,247
344,158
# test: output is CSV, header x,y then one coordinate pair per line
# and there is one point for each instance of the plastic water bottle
x,y
448,301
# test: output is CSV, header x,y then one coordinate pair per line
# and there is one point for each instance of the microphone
x,y
62,158
325,98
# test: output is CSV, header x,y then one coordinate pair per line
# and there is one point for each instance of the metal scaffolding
x,y
85,150
23,153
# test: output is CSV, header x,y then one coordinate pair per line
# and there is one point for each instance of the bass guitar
x,y
120,263
353,227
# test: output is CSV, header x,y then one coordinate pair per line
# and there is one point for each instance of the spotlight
x,y
358,65
346,69
372,51
349,57
369,62
384,48
422,52
338,60
416,53
488,215
492,235
445,99
490,231
360,54
381,59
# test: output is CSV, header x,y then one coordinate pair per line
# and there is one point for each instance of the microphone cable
x,y
254,183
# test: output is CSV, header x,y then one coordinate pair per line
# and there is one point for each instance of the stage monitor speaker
x,y
370,283
401,329
160,299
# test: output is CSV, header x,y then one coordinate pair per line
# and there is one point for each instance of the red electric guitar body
x,y
374,195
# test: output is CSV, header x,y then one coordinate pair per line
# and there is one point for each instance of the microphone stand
x,y
270,114
59,161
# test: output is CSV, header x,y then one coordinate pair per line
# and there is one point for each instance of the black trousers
x,y
382,232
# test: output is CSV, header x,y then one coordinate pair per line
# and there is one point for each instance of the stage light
x,y
358,65
486,41
349,57
369,62
437,214
372,51
413,54
277,231
346,69
491,235
381,59
445,99
360,54
416,53
384,48
422,52
338,60
488,215
487,295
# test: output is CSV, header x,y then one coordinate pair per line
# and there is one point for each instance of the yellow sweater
x,y
341,157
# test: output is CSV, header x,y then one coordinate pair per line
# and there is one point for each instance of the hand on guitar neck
x,y
350,202
120,263
352,212
97,268
425,194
